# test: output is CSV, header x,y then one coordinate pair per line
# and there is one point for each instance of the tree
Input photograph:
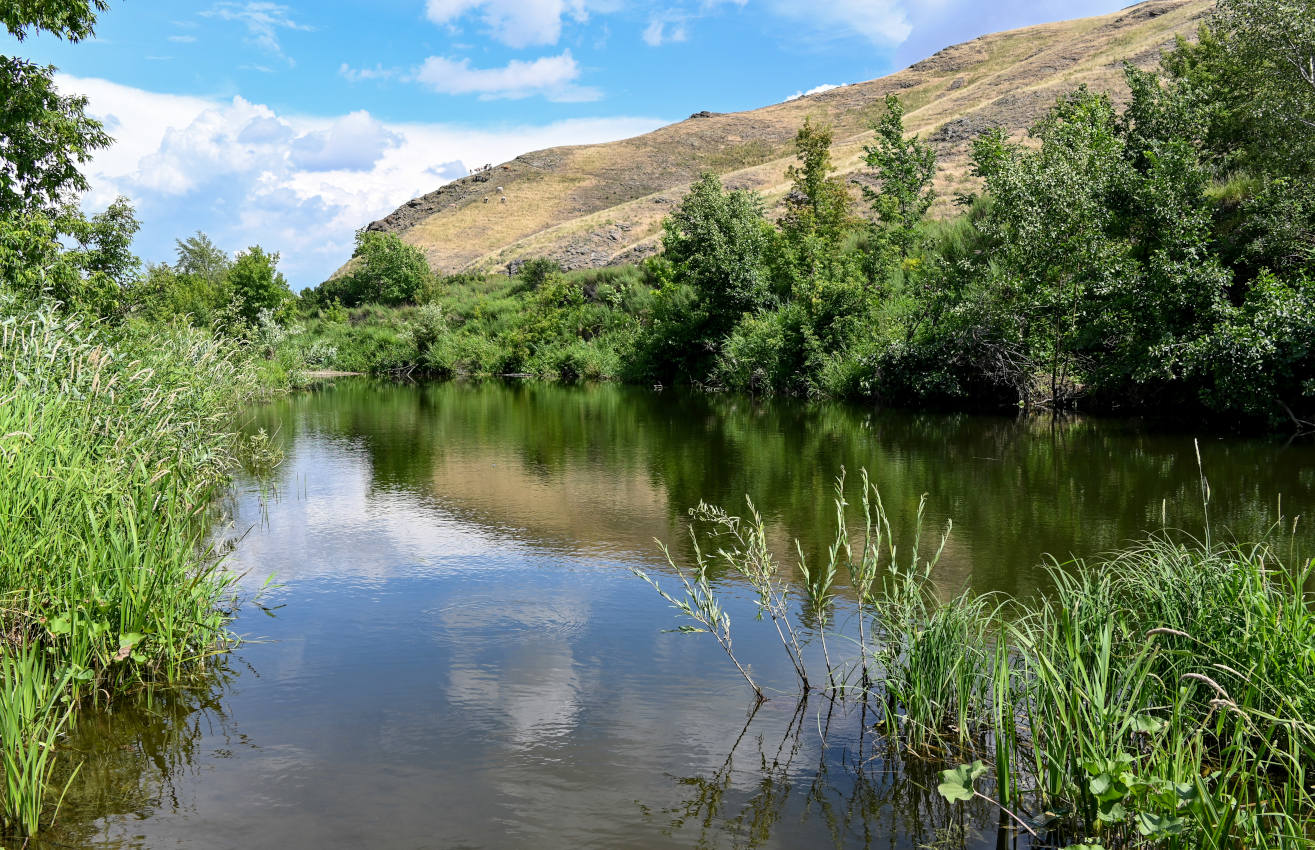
x,y
388,271
1048,222
44,137
904,170
1274,43
200,258
72,20
257,284
817,206
717,242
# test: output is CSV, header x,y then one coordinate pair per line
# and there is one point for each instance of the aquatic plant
x,y
113,443
1160,696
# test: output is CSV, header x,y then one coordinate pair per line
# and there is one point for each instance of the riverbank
x,y
114,441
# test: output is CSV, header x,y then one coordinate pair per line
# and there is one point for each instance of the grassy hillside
x,y
594,205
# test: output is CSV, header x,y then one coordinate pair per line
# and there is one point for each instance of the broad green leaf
x,y
1147,725
1159,826
1114,813
957,784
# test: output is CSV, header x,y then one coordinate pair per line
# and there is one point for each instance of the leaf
x,y
1100,785
61,625
957,784
1112,814
1147,725
1159,826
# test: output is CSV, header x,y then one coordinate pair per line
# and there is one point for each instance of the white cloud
x,y
356,75
183,39
551,76
815,90
263,20
657,32
355,142
882,22
516,23
297,184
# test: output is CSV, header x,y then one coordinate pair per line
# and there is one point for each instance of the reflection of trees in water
x,y
1015,487
864,797
131,754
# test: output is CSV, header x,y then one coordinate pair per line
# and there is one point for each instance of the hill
x,y
596,205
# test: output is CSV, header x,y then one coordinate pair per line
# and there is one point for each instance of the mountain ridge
x,y
602,204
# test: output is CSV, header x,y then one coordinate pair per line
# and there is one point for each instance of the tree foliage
x,y
388,270
904,170
256,283
72,20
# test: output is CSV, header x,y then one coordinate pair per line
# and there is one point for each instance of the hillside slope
x,y
595,205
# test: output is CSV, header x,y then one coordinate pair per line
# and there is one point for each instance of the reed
x,y
1162,696
113,443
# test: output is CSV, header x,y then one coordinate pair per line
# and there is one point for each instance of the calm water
x,y
458,655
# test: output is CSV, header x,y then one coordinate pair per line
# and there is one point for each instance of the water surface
x,y
458,655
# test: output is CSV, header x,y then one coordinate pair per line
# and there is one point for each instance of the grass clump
x,y
1161,696
113,443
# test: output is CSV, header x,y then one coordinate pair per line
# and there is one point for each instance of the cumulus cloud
x,y
551,76
355,142
298,184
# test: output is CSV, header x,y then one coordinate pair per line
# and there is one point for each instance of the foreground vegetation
x,y
113,442
1155,257
118,427
1160,697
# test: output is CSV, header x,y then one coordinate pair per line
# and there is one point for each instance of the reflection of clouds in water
x,y
329,521
531,684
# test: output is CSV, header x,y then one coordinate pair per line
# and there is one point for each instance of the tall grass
x,y
1161,696
113,443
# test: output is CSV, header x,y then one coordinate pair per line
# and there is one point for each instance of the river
x,y
457,654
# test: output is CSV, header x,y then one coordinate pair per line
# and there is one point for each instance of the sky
x,y
291,125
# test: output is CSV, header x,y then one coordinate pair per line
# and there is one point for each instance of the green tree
x,y
904,170
388,271
45,138
257,284
196,286
817,212
1048,221
717,243
200,258
1272,45
72,20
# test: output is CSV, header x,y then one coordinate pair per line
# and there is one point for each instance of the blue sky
x,y
292,124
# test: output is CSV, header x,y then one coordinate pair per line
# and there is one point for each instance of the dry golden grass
x,y
594,204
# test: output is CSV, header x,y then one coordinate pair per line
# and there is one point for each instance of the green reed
x,y
1161,696
113,444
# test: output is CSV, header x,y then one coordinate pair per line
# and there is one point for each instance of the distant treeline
x,y
1157,258
1154,258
